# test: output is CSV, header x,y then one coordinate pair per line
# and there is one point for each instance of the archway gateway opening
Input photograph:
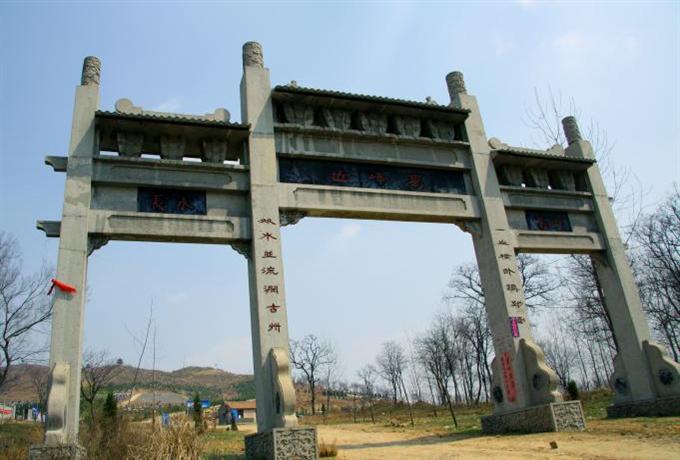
x,y
308,152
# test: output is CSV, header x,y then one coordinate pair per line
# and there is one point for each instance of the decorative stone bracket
x,y
284,397
55,431
542,379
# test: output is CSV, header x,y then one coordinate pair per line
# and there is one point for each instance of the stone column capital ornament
x,y
456,84
91,71
252,55
571,131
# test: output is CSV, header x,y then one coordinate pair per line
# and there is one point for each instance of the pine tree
x,y
110,406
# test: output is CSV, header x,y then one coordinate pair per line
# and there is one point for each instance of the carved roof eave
x,y
154,126
322,131
533,158
172,118
350,101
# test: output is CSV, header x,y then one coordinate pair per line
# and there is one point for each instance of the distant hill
x,y
207,381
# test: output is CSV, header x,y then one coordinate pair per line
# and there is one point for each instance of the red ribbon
x,y
62,287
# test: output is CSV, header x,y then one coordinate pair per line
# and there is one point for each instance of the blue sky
x,y
356,283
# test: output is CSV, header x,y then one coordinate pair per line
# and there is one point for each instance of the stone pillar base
x,y
659,407
283,444
59,452
561,416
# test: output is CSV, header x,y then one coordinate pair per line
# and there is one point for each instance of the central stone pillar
x,y
524,387
277,436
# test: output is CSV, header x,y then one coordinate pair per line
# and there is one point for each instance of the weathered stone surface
x,y
660,407
252,55
441,129
407,126
456,84
59,452
373,122
91,71
130,144
336,118
562,416
571,131
299,114
283,444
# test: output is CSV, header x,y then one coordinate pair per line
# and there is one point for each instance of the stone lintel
x,y
559,416
58,452
656,408
58,163
298,443
52,228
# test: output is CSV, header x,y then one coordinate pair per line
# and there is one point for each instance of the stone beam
x,y
327,201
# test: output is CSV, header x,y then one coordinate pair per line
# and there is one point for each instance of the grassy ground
x,y
229,445
15,439
394,423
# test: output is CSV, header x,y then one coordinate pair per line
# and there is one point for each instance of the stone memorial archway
x,y
308,152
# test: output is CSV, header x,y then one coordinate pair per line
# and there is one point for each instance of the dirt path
x,y
367,442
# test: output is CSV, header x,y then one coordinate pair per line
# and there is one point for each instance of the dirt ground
x,y
602,440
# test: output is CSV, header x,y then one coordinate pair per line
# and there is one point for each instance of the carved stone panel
x,y
372,122
130,144
299,114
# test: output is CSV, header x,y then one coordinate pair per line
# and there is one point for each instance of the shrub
x,y
572,390
328,450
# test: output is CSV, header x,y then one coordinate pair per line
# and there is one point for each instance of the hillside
x,y
207,381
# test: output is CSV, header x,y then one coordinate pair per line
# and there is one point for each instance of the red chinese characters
x,y
269,271
269,255
273,307
415,181
274,327
508,377
378,177
268,236
157,202
267,220
340,176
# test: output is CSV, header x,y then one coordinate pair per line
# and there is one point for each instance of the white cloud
x,y
169,105
348,231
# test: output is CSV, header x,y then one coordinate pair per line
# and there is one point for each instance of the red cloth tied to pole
x,y
62,287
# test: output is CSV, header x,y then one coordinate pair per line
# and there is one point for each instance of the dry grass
x,y
127,440
16,437
328,449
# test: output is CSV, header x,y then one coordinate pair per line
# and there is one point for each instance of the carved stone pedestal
x,y
660,407
60,452
560,416
283,444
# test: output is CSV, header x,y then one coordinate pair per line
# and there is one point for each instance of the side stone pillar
x,y
646,380
63,405
276,419
524,387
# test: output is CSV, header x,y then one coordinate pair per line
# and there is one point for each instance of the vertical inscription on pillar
x,y
508,377
269,259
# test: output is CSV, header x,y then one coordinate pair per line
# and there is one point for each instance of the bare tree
x,y
658,269
311,356
431,351
539,284
559,352
392,364
24,307
368,375
39,378
99,370
142,344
